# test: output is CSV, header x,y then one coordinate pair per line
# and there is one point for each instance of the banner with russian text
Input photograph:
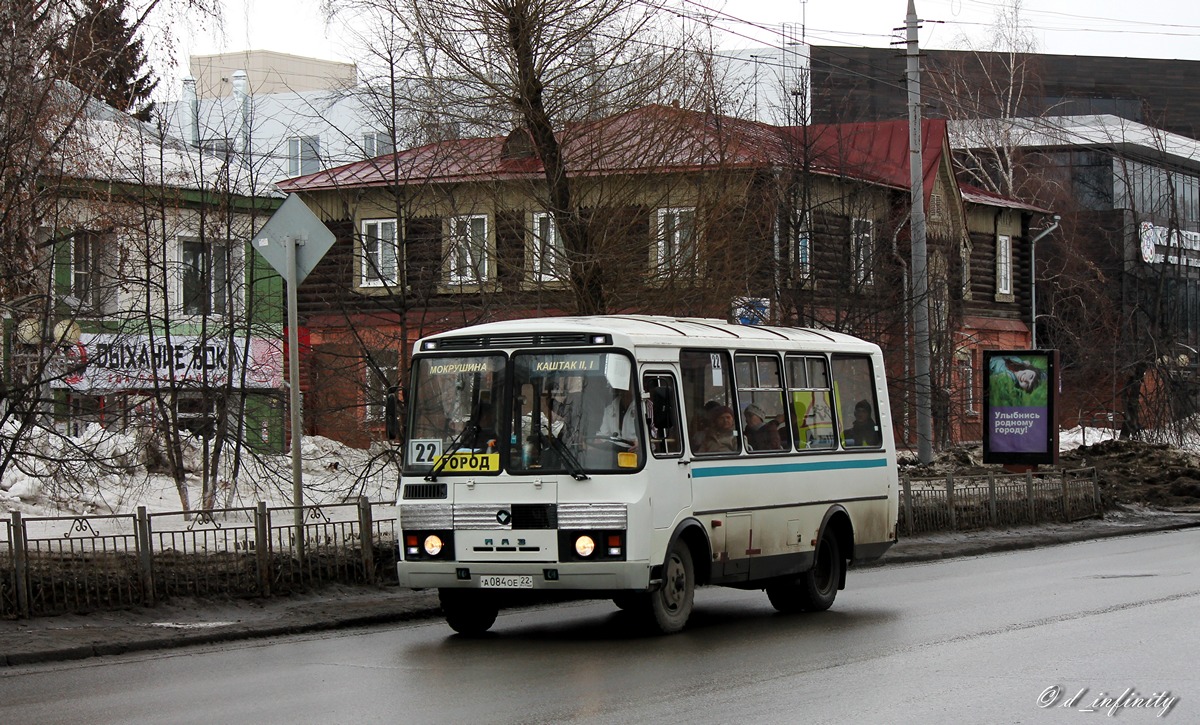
x,y
104,362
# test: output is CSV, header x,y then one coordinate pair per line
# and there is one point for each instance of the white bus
x,y
638,457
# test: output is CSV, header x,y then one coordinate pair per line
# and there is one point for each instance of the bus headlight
x,y
433,545
584,546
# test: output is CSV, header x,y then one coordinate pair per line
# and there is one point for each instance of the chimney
x,y
189,111
241,101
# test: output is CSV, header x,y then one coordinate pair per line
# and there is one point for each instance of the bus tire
x,y
468,613
815,589
671,604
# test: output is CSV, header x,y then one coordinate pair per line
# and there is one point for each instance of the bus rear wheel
x,y
814,590
671,604
468,613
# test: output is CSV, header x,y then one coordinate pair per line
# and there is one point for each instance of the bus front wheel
x,y
814,590
671,604
468,613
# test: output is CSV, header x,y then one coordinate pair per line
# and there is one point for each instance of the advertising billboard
x,y
1020,388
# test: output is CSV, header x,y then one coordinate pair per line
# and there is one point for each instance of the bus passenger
x,y
761,434
863,432
720,436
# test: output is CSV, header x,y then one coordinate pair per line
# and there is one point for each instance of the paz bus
x,y
638,457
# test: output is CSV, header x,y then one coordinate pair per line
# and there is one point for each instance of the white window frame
x,y
84,282
964,252
373,141
467,255
547,252
1004,275
862,250
375,269
802,247
676,253
966,373
297,145
216,295
378,378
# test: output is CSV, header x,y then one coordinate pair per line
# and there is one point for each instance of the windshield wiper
x,y
573,465
472,427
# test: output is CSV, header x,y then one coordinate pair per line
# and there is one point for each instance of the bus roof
x,y
643,330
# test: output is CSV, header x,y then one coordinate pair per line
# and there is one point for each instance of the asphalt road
x,y
980,639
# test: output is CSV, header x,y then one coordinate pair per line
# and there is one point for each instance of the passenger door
x,y
670,490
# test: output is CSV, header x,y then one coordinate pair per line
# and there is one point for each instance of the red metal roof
x,y
977,195
654,139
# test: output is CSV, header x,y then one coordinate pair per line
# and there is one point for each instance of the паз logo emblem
x,y
503,517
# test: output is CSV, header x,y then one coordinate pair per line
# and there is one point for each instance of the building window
x,y
802,245
1003,264
376,143
379,257
304,155
547,249
966,379
677,240
205,283
217,148
468,249
862,247
937,207
85,249
382,369
964,253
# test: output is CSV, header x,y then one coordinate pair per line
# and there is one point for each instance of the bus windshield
x,y
564,412
574,412
453,427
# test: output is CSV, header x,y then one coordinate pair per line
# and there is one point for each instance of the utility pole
x,y
920,267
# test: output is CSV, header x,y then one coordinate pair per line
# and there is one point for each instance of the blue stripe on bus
x,y
811,466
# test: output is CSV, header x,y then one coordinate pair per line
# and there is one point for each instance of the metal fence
x,y
956,503
53,565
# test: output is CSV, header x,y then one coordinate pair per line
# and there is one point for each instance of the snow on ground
x,y
102,472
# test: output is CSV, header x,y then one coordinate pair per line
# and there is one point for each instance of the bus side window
x,y
709,402
662,414
811,403
760,395
858,407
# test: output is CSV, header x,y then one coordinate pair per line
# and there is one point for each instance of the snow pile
x,y
103,472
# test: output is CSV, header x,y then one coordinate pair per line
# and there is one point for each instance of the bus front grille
x,y
415,491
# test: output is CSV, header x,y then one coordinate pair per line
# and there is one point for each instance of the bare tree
x,y
541,65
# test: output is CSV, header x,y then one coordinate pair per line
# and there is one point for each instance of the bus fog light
x,y
433,545
584,546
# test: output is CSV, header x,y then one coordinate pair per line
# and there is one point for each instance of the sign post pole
x,y
293,318
292,241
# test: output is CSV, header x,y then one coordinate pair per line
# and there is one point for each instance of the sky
x,y
1148,29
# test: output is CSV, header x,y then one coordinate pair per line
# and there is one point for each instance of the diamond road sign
x,y
294,220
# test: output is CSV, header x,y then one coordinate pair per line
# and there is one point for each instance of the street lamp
x,y
1033,281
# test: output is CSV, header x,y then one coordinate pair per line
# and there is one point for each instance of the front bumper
x,y
547,576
